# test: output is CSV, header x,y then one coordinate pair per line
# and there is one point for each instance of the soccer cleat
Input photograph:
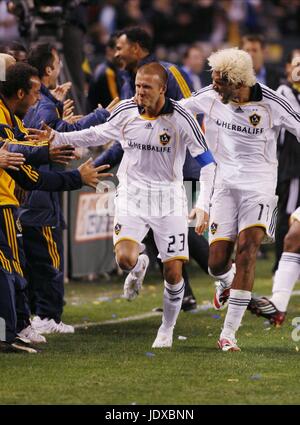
x,y
226,344
18,345
133,284
163,339
32,335
189,303
221,296
265,308
49,326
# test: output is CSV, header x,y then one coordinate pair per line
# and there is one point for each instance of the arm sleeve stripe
x,y
205,158
28,173
31,171
111,82
5,262
31,144
122,105
204,90
185,90
121,110
282,102
9,133
199,136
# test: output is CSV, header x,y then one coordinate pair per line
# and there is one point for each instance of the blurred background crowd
x,y
173,24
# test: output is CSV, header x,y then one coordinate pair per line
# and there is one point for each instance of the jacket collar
x,y
46,92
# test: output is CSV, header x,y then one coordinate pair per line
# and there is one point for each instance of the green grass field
x,y
109,363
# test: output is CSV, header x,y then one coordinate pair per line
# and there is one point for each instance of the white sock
x,y
285,278
225,278
139,267
173,295
237,305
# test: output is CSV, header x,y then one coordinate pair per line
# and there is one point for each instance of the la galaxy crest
x,y
118,228
255,119
164,138
213,228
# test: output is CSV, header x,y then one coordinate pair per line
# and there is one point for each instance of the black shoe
x,y
265,308
189,303
18,345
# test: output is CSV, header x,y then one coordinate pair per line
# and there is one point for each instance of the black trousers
x,y
43,248
14,306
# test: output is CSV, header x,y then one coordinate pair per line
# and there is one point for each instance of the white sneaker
x,y
32,335
133,284
49,326
226,344
163,339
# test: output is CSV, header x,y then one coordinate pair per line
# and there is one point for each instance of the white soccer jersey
x,y
154,149
242,137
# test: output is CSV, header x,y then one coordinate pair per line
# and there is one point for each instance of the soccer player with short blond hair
x,y
154,132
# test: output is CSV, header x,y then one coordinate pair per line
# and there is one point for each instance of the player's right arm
x,y
93,136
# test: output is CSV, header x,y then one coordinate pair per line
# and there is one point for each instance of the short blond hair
x,y
234,64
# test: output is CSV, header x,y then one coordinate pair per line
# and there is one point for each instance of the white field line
x,y
114,321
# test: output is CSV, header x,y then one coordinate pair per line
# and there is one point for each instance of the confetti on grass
x,y
256,377
149,354
182,338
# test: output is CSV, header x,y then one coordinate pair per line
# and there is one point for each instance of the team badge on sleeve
x,y
255,119
213,228
164,138
118,228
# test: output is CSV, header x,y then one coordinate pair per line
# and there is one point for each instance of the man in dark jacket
x,y
107,79
41,214
21,90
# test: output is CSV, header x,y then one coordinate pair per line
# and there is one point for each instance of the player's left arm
x,y
284,114
198,148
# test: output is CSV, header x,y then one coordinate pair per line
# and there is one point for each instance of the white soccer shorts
x,y
233,211
295,216
163,210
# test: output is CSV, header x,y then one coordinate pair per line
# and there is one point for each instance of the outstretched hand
x,y
62,154
91,175
61,91
11,160
46,134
